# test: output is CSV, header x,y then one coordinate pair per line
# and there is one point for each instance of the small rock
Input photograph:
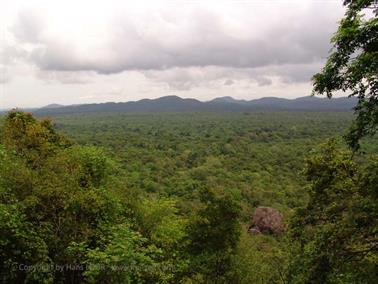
x,y
254,231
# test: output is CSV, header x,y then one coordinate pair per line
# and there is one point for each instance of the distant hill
x,y
228,99
177,104
53,106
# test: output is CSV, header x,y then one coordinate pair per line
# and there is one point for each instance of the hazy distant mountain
x,y
305,103
53,106
177,104
228,99
273,102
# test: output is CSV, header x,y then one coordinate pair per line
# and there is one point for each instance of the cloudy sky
x,y
74,52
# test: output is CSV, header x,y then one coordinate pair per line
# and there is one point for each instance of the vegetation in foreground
x,y
168,199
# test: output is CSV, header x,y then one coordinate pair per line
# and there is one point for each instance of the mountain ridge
x,y
228,103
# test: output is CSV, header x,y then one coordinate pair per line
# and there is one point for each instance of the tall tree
x,y
352,67
213,235
335,237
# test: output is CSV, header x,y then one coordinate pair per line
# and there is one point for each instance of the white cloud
x,y
177,37
4,74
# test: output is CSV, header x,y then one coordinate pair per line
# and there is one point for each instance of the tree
x,y
67,215
53,194
31,139
213,236
352,66
335,237
21,249
122,257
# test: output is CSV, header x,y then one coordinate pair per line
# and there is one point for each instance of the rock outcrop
x,y
266,220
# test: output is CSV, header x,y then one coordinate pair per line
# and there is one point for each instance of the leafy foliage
x,y
213,236
67,216
353,66
175,160
166,199
335,235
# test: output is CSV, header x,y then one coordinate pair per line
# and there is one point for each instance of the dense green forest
x,y
157,197
257,155
200,197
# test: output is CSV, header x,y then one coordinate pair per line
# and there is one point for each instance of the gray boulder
x,y
266,220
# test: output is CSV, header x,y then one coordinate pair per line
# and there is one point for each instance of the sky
x,y
76,52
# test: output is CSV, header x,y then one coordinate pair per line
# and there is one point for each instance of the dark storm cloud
x,y
181,78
